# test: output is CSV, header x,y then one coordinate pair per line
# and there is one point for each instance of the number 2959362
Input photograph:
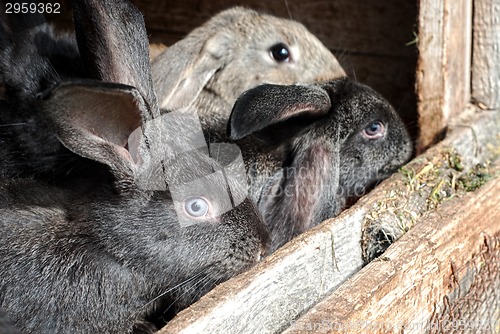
x,y
32,8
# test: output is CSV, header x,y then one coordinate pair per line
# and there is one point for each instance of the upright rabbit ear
x,y
267,109
113,43
95,119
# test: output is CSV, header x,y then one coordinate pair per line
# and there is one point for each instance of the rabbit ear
x,y
95,119
113,43
263,110
181,71
307,188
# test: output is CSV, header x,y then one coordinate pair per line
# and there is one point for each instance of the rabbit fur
x,y
6,326
110,257
231,53
307,151
33,59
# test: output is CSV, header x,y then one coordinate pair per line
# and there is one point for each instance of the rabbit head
x,y
235,51
106,257
309,148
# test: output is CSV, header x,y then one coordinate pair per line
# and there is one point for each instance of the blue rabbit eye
x,y
196,206
280,52
374,130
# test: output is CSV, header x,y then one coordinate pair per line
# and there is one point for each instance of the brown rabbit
x,y
234,51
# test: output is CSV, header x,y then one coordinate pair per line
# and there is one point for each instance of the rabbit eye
x,y
374,130
280,53
196,206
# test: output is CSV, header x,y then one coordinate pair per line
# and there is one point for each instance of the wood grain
x,y
486,53
443,71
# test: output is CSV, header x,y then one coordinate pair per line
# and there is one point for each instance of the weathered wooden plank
x,y
443,73
429,81
474,304
486,53
397,294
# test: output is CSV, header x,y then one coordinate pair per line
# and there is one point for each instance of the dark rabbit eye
x,y
374,130
280,53
196,206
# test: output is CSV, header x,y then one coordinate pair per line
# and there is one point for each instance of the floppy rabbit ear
x,y
181,72
95,119
113,43
263,110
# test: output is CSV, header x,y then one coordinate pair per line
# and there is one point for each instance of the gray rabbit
x,y
110,257
236,50
310,149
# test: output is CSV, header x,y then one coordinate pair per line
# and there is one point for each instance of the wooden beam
x,y
443,71
486,54
398,293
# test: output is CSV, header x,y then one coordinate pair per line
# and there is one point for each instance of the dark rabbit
x,y
32,59
111,257
236,50
309,149
107,260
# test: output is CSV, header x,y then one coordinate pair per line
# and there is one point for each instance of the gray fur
x,y
108,257
6,326
31,61
305,153
35,59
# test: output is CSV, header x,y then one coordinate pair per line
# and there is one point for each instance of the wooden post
x,y
443,73
486,54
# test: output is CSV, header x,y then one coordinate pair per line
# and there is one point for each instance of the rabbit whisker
x,y
175,287
288,10
13,124
198,285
